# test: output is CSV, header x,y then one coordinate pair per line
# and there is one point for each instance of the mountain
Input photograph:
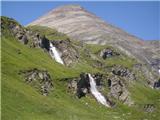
x,y
84,26
48,75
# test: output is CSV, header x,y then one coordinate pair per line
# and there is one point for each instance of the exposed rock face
x,y
79,24
19,33
72,85
24,35
39,79
117,87
123,72
154,46
68,50
44,43
69,54
118,90
81,87
106,53
98,78
148,75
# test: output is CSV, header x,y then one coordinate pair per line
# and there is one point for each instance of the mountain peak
x,y
70,7
82,25
76,6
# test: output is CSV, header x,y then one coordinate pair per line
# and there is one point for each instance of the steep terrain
x,y
154,46
35,86
84,26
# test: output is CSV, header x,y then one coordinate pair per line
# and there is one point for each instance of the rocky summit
x,y
71,65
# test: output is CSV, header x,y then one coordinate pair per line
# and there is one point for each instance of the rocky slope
x,y
154,46
35,86
39,79
84,26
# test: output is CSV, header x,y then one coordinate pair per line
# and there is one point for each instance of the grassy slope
x,y
116,60
51,34
21,102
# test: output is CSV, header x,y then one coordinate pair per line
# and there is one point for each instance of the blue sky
x,y
141,19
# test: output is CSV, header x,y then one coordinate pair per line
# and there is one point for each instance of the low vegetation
x,y
20,101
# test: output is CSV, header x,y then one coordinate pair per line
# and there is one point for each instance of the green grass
x,y
122,59
51,34
7,21
20,101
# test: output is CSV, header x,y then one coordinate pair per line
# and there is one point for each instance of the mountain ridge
x,y
77,8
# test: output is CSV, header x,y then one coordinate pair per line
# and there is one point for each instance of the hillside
x,y
80,24
25,50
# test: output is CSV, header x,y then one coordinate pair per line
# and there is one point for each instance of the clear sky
x,y
141,19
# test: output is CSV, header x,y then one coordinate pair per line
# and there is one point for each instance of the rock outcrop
x,y
40,79
154,46
83,85
79,86
107,53
68,51
28,37
123,72
72,85
82,25
149,108
25,36
117,88
142,70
